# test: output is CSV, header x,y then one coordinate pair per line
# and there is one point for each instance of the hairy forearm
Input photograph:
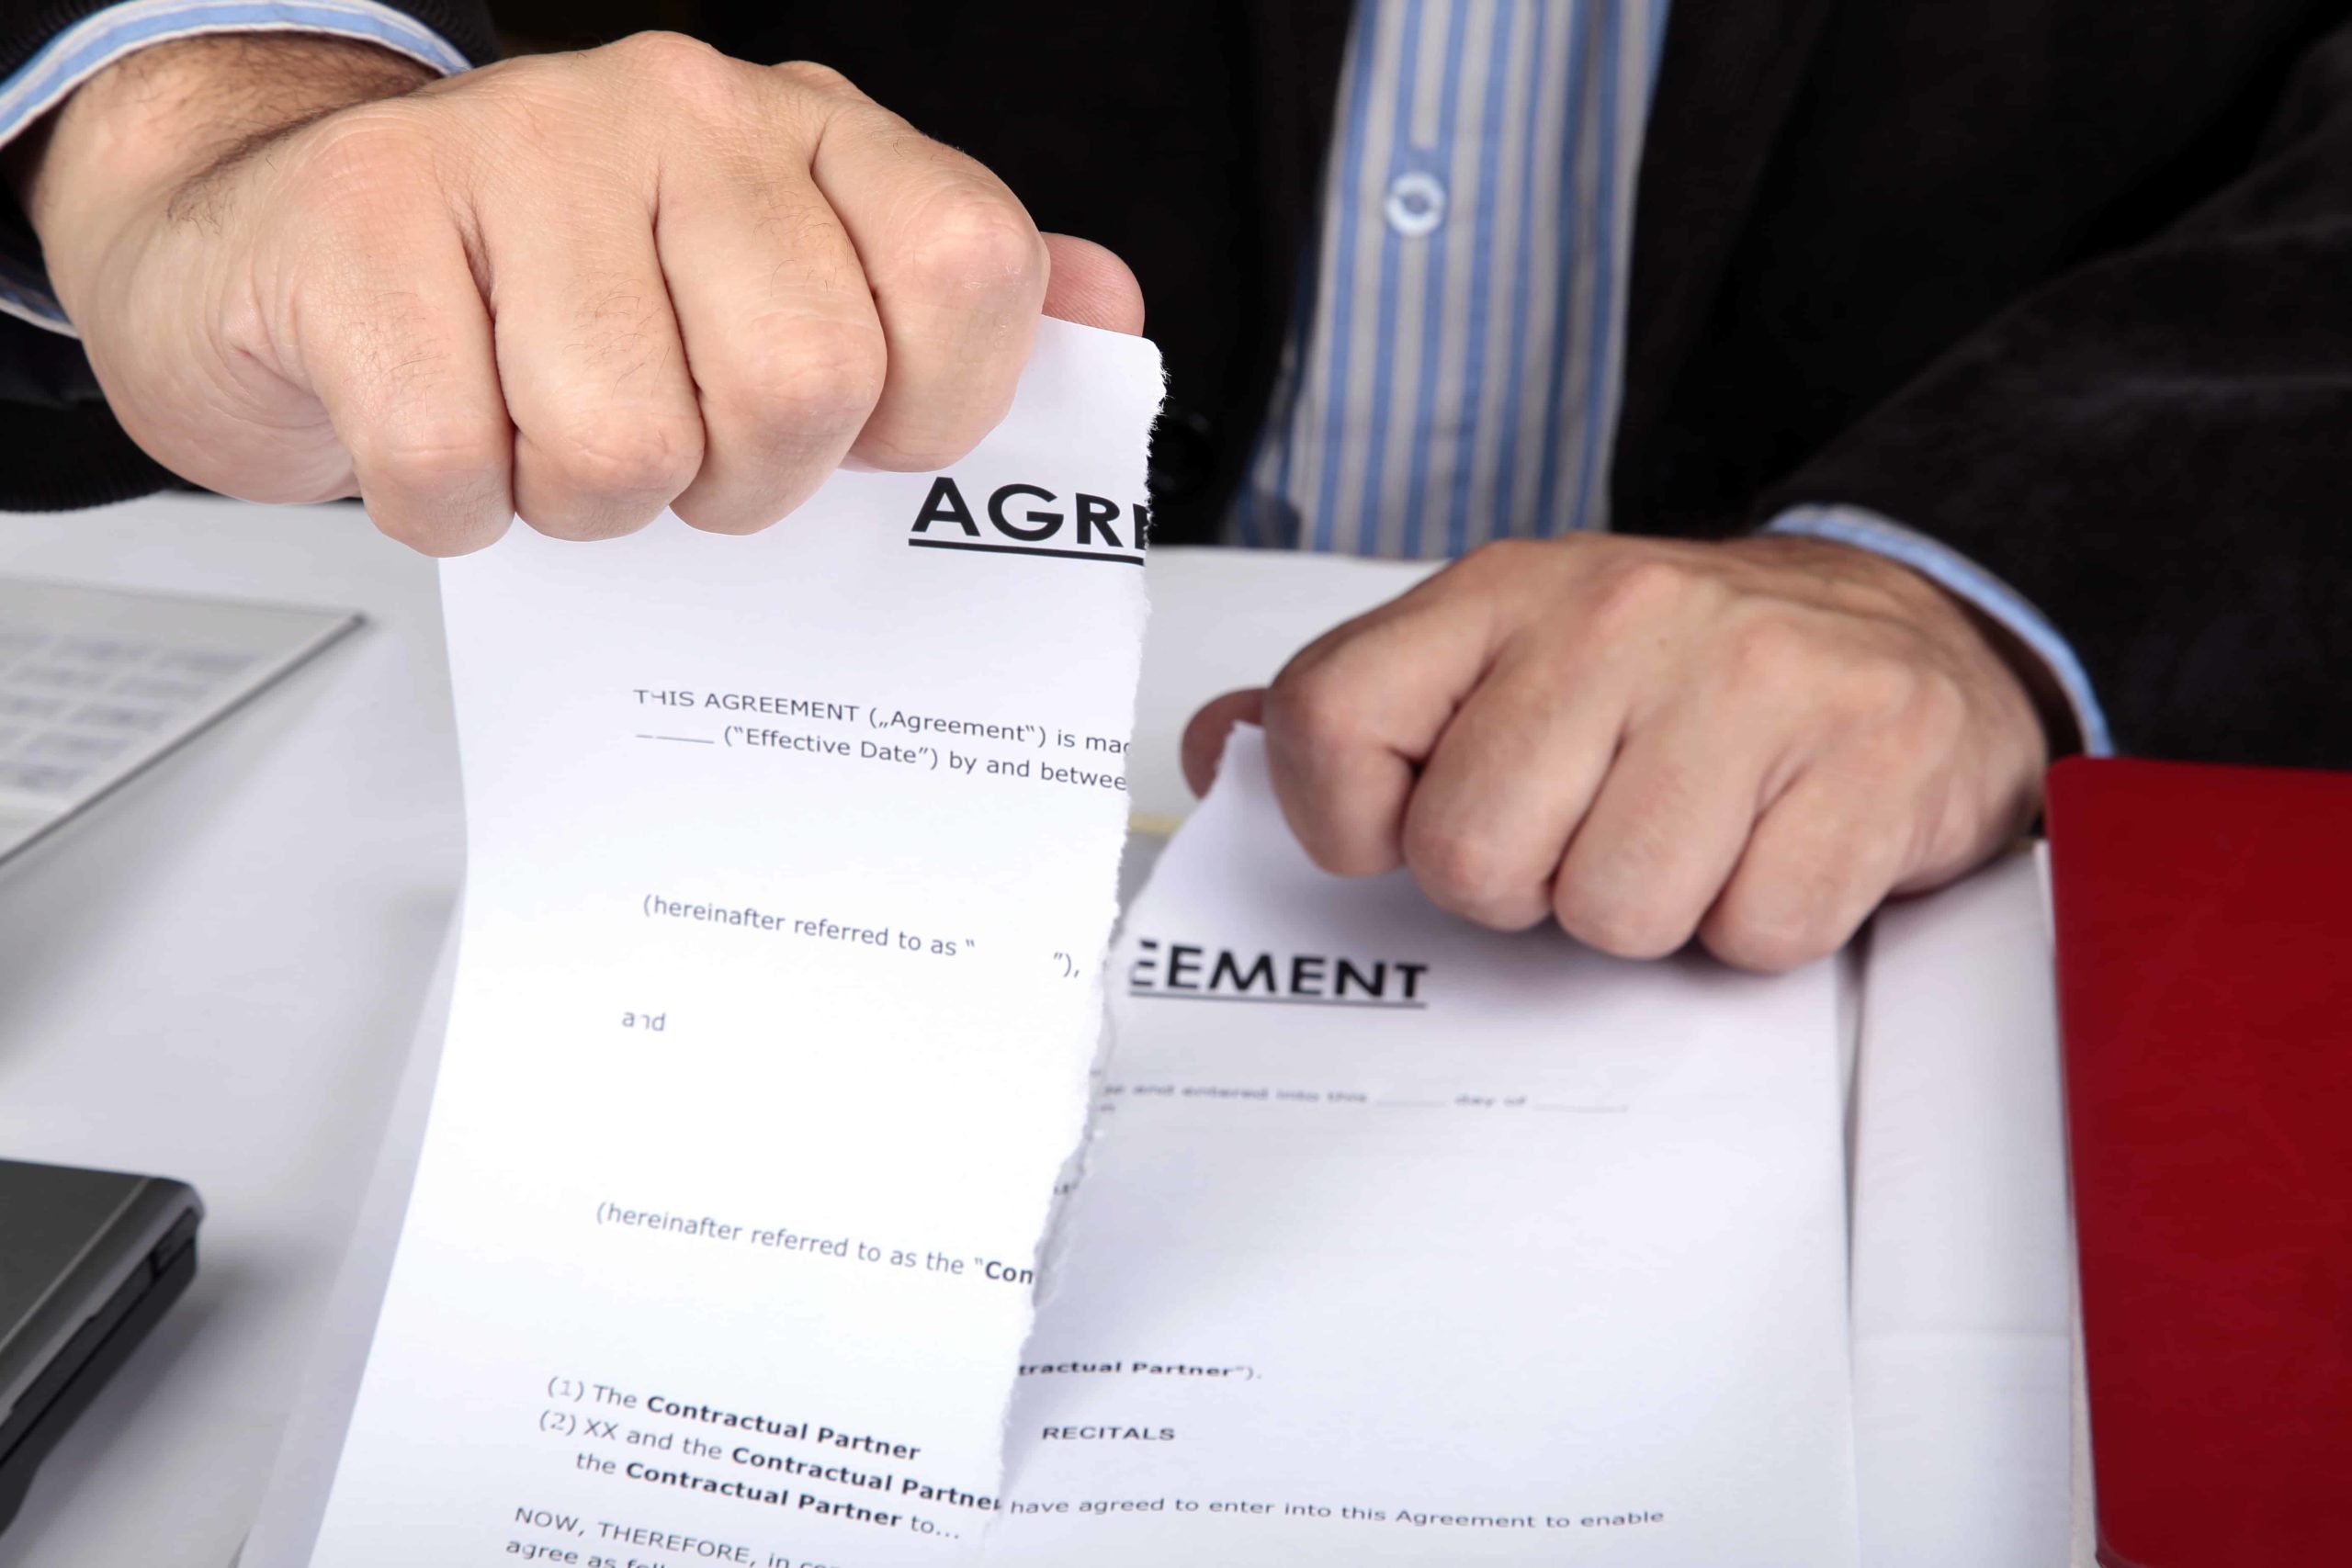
x,y
152,126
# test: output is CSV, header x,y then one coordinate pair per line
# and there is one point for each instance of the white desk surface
x,y
216,974
240,932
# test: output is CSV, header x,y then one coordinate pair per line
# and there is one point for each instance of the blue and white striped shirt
x,y
1455,375
1456,378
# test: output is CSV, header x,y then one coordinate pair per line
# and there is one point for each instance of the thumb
x,y
1205,736
1086,283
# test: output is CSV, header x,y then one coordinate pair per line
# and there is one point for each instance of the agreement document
x,y
1401,1241
792,861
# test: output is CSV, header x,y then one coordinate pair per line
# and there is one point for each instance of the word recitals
x,y
861,1097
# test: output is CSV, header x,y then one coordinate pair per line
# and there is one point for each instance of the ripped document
x,y
1402,1242
792,863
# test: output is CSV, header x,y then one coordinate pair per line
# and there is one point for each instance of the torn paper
x,y
1403,1242
792,857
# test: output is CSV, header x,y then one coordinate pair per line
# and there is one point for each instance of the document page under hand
x,y
1399,1241
792,859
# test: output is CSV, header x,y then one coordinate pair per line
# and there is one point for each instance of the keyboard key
x,y
66,745
116,716
41,778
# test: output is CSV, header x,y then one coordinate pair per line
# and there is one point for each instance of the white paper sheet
x,y
791,862
1962,1266
1401,1241
285,1527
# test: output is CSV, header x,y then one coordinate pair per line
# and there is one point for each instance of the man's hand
x,y
579,287
1752,741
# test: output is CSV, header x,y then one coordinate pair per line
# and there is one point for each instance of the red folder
x,y
2205,999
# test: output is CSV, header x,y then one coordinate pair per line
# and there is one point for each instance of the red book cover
x,y
2205,999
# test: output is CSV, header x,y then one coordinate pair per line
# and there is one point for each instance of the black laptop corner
x,y
89,1259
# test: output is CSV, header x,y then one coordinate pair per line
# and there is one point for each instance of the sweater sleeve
x,y
2151,453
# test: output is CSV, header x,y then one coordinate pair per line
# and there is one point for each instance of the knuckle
x,y
432,463
673,60
1315,730
1507,559
432,536
1501,571
1932,714
1346,832
1879,687
1764,946
1641,594
1337,856
1771,656
1621,927
1902,711
806,384
440,492
1469,873
1771,932
1312,708
425,537
815,78
609,455
974,243
911,449
1875,693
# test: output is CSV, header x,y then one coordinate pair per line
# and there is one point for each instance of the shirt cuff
x,y
1957,574
97,41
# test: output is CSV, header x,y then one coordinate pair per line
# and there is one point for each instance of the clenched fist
x,y
1752,741
578,288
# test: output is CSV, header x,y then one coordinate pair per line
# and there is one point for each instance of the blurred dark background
x,y
533,26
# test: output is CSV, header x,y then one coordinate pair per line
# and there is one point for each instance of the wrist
x,y
2015,683
2035,651
2062,733
2012,690
147,130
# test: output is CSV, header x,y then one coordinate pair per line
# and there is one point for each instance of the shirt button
x,y
1416,204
